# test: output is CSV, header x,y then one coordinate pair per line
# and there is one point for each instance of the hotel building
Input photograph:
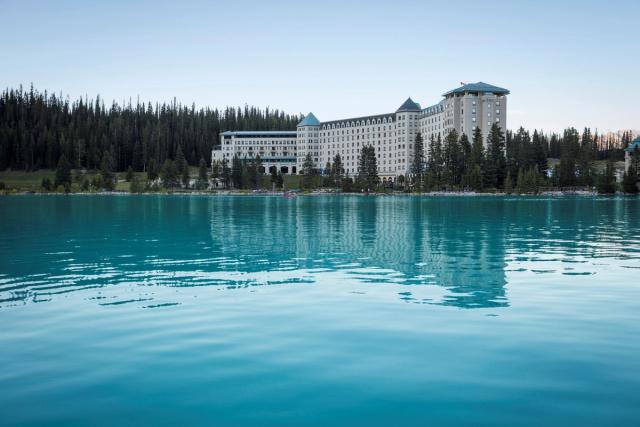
x,y
391,134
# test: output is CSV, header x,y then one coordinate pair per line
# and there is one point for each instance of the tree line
x,y
41,130
515,161
37,129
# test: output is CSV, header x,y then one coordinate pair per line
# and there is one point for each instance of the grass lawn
x,y
26,181
32,181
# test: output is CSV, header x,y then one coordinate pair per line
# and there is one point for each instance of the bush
x,y
46,184
630,182
136,186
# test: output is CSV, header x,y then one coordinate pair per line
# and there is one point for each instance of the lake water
x,y
230,310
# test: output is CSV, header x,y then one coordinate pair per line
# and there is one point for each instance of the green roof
x,y
478,87
309,120
633,145
408,105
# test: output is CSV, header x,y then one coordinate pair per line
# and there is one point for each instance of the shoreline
x,y
315,194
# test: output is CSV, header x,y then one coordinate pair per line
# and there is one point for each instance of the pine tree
x,y
586,155
129,175
539,154
417,163
169,174
477,149
203,176
630,181
46,184
215,172
253,175
495,162
308,172
508,183
368,169
337,170
63,173
569,147
606,182
237,172
152,170
464,159
106,172
185,177
451,154
433,179
225,173
474,178
135,186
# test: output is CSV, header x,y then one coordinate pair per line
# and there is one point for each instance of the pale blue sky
x,y
566,62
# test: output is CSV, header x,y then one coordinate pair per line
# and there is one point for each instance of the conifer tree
x,y
586,154
337,170
308,172
225,173
477,148
135,186
569,148
46,184
464,158
368,169
539,154
169,174
417,163
508,183
106,172
203,176
129,175
152,170
215,170
451,151
606,181
495,165
185,177
237,172
63,173
435,163
630,181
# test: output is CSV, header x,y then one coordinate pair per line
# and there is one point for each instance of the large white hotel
x,y
392,134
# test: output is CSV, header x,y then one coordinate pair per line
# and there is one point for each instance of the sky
x,y
566,63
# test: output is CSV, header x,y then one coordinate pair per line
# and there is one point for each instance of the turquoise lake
x,y
319,310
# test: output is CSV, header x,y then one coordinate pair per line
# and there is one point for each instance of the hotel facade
x,y
392,134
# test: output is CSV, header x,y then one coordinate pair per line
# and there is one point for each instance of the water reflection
x,y
452,251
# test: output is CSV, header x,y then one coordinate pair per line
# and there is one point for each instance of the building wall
x,y
462,113
392,135
348,137
308,141
276,149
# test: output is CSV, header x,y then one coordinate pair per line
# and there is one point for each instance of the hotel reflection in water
x,y
410,241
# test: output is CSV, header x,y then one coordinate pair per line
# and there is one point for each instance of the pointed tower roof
x,y
309,120
408,105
